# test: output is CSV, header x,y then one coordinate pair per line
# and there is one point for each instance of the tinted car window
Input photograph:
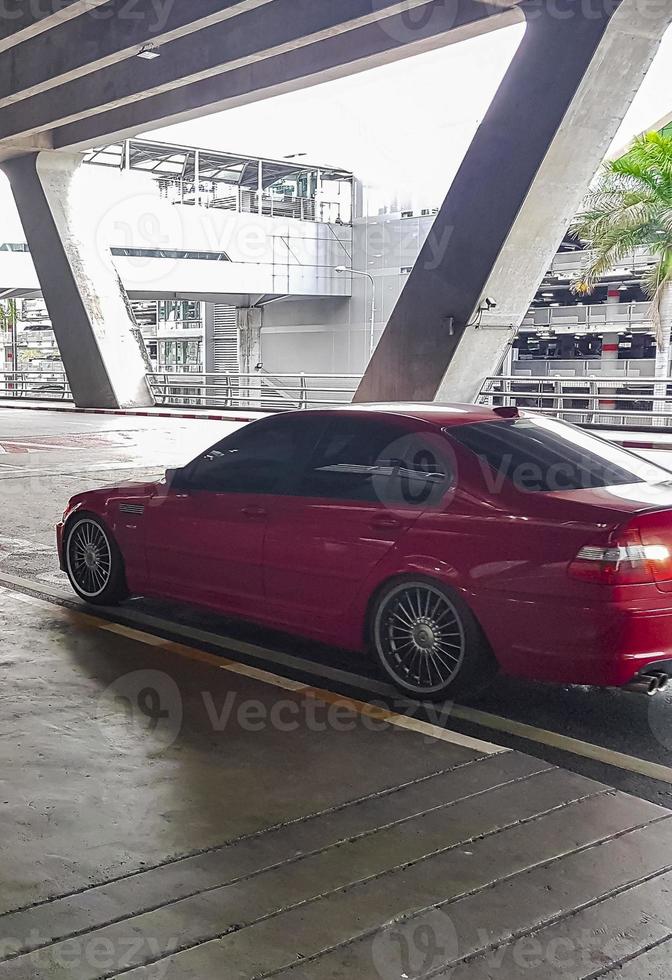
x,y
258,459
366,460
541,455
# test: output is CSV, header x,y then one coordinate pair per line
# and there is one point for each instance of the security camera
x,y
489,304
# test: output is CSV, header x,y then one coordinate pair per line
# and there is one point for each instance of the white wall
x,y
333,336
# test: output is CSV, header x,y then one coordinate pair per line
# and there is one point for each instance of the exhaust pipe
x,y
648,684
662,679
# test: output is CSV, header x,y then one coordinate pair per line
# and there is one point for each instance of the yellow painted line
x,y
565,743
257,674
362,708
405,721
587,750
129,633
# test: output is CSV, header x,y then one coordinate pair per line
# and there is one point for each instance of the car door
x,y
365,485
205,534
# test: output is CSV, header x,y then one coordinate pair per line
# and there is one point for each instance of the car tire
x,y
93,562
428,642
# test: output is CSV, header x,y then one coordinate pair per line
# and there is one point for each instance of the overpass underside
x,y
72,78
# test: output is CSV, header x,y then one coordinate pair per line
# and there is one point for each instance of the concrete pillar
x,y
100,343
542,140
250,321
662,367
208,314
609,360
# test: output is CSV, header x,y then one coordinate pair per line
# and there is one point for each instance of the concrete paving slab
x,y
99,788
653,964
162,818
147,890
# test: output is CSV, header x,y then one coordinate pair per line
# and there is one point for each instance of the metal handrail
x,y
231,197
279,392
38,385
597,316
574,262
618,401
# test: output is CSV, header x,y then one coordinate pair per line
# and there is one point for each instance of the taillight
x,y
626,560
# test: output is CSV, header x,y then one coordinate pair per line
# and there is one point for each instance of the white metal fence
x,y
254,391
619,401
38,385
618,318
231,197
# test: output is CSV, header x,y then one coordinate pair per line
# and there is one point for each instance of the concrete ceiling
x,y
72,79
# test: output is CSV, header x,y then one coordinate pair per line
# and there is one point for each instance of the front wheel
x,y
429,643
93,562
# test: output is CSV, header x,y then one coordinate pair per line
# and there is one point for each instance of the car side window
x,y
258,459
363,459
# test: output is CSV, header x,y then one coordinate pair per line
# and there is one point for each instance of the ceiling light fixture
x,y
149,52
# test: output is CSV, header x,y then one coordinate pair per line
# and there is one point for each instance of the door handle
x,y
254,513
384,522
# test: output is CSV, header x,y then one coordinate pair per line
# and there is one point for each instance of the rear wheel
x,y
93,562
429,643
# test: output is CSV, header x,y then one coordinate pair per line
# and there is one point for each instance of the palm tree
x,y
631,205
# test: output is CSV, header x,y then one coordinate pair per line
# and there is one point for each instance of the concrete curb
x,y
142,413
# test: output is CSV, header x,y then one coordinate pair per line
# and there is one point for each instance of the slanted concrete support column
x,y
249,354
102,350
550,124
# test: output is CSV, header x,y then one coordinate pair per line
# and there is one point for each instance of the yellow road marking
x,y
363,708
565,743
574,745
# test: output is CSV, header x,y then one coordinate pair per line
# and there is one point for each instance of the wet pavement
x,y
168,815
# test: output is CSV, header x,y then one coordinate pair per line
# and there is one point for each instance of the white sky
x,y
405,126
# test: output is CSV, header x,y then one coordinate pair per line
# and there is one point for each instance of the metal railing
x,y
231,197
280,392
618,317
570,264
590,367
39,385
616,401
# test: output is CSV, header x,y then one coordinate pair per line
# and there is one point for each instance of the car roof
x,y
438,413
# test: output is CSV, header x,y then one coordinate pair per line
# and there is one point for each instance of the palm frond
x,y
630,206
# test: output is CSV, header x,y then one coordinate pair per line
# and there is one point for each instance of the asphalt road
x,y
45,457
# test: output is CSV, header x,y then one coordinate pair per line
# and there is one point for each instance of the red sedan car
x,y
451,541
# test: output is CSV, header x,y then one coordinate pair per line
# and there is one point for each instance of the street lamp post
x,y
359,272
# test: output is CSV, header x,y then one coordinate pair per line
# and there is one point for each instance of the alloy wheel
x,y
420,637
89,558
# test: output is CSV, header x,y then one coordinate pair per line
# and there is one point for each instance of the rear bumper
x,y
602,643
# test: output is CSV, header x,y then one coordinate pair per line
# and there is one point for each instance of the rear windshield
x,y
539,454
